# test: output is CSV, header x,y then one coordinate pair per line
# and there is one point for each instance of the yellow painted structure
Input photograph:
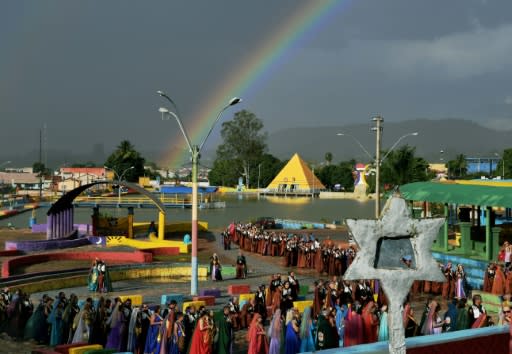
x,y
153,242
84,349
144,182
296,175
179,226
62,282
485,182
196,304
301,305
245,297
161,225
136,299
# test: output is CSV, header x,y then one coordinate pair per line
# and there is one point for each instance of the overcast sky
x,y
90,69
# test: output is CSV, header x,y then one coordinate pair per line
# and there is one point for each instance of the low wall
x,y
489,340
133,271
82,228
10,253
109,257
163,251
346,195
45,245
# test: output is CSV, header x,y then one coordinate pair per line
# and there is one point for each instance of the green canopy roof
x,y
439,192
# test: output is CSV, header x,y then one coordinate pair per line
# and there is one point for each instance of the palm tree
x,y
328,158
459,165
401,166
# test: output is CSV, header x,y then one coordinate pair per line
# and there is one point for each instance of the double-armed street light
x,y
502,157
377,161
119,179
195,151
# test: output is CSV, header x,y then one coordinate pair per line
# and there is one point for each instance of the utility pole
x,y
378,130
41,164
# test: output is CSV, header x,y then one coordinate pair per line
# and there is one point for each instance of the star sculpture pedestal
x,y
383,245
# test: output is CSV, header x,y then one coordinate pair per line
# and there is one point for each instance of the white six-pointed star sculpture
x,y
395,223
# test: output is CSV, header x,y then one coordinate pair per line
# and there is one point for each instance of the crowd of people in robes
x,y
301,251
351,313
116,324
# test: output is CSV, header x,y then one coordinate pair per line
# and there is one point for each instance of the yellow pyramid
x,y
296,177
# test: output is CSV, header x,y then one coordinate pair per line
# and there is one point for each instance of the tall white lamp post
x,y
194,151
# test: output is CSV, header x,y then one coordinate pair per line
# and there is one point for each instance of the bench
x,y
245,298
210,292
196,304
84,349
136,299
301,305
209,300
64,348
102,351
167,298
303,290
239,289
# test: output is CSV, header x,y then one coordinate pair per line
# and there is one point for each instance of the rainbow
x,y
266,59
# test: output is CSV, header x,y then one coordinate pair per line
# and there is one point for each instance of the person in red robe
x,y
202,338
498,286
370,323
247,313
256,336
427,286
489,277
416,287
353,334
276,298
508,282
317,298
232,232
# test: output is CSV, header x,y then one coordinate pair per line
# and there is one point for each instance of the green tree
x,y
40,169
458,167
341,174
225,172
124,157
267,169
506,159
401,166
328,158
244,143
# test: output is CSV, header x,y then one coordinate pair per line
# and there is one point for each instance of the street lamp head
x,y
340,134
132,167
414,134
163,110
161,93
234,101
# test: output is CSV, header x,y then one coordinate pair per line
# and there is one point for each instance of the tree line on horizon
x,y
244,154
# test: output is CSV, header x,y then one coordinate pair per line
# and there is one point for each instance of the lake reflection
x,y
238,207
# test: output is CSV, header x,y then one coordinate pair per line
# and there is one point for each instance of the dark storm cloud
x,y
90,69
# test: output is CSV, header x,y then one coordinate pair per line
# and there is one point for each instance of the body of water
x,y
238,207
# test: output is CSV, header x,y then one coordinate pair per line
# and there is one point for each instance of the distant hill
x,y
453,136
